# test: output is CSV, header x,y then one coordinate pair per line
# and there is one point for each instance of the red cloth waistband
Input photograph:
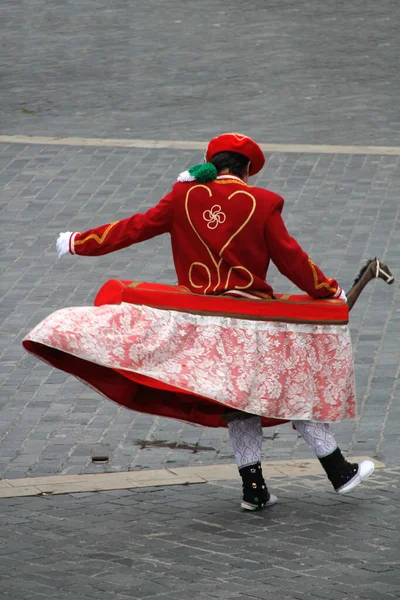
x,y
297,308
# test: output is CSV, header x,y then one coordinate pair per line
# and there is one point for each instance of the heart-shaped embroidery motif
x,y
215,216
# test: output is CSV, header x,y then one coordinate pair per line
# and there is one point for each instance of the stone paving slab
x,y
66,484
195,542
191,145
342,208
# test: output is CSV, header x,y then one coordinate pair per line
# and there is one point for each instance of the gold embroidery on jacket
x,y
208,273
200,238
317,285
218,264
94,236
214,216
219,181
240,287
246,221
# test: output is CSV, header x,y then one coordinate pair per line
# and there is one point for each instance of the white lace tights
x,y
246,438
318,436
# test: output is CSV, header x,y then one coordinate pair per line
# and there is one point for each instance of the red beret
x,y
236,142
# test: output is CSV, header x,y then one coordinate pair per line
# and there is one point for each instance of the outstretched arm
x,y
293,262
120,234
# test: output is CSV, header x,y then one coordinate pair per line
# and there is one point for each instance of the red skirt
x,y
164,351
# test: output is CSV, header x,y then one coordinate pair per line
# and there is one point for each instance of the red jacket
x,y
223,236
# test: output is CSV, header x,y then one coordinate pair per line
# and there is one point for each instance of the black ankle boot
x,y
343,475
255,492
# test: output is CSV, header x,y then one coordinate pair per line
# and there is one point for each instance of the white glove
x,y
62,243
343,296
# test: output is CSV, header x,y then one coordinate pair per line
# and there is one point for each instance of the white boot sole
x,y
272,500
365,469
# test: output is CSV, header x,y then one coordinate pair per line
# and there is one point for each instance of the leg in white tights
x,y
246,439
318,436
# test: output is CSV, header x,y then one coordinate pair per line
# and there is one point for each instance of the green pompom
x,y
204,172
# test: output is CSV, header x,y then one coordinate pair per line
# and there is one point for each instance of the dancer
x,y
224,233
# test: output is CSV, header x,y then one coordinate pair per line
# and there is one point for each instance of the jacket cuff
x,y
71,242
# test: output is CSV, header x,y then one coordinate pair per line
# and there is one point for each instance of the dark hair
x,y
233,161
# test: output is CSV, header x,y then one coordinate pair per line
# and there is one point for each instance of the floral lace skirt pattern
x,y
273,369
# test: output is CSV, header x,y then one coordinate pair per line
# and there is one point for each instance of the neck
x,y
358,287
245,178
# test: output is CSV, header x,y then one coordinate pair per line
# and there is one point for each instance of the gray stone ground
x,y
282,71
195,542
307,72
343,209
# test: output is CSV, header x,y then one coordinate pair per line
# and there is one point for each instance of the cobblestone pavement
x,y
195,542
343,209
283,72
315,72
